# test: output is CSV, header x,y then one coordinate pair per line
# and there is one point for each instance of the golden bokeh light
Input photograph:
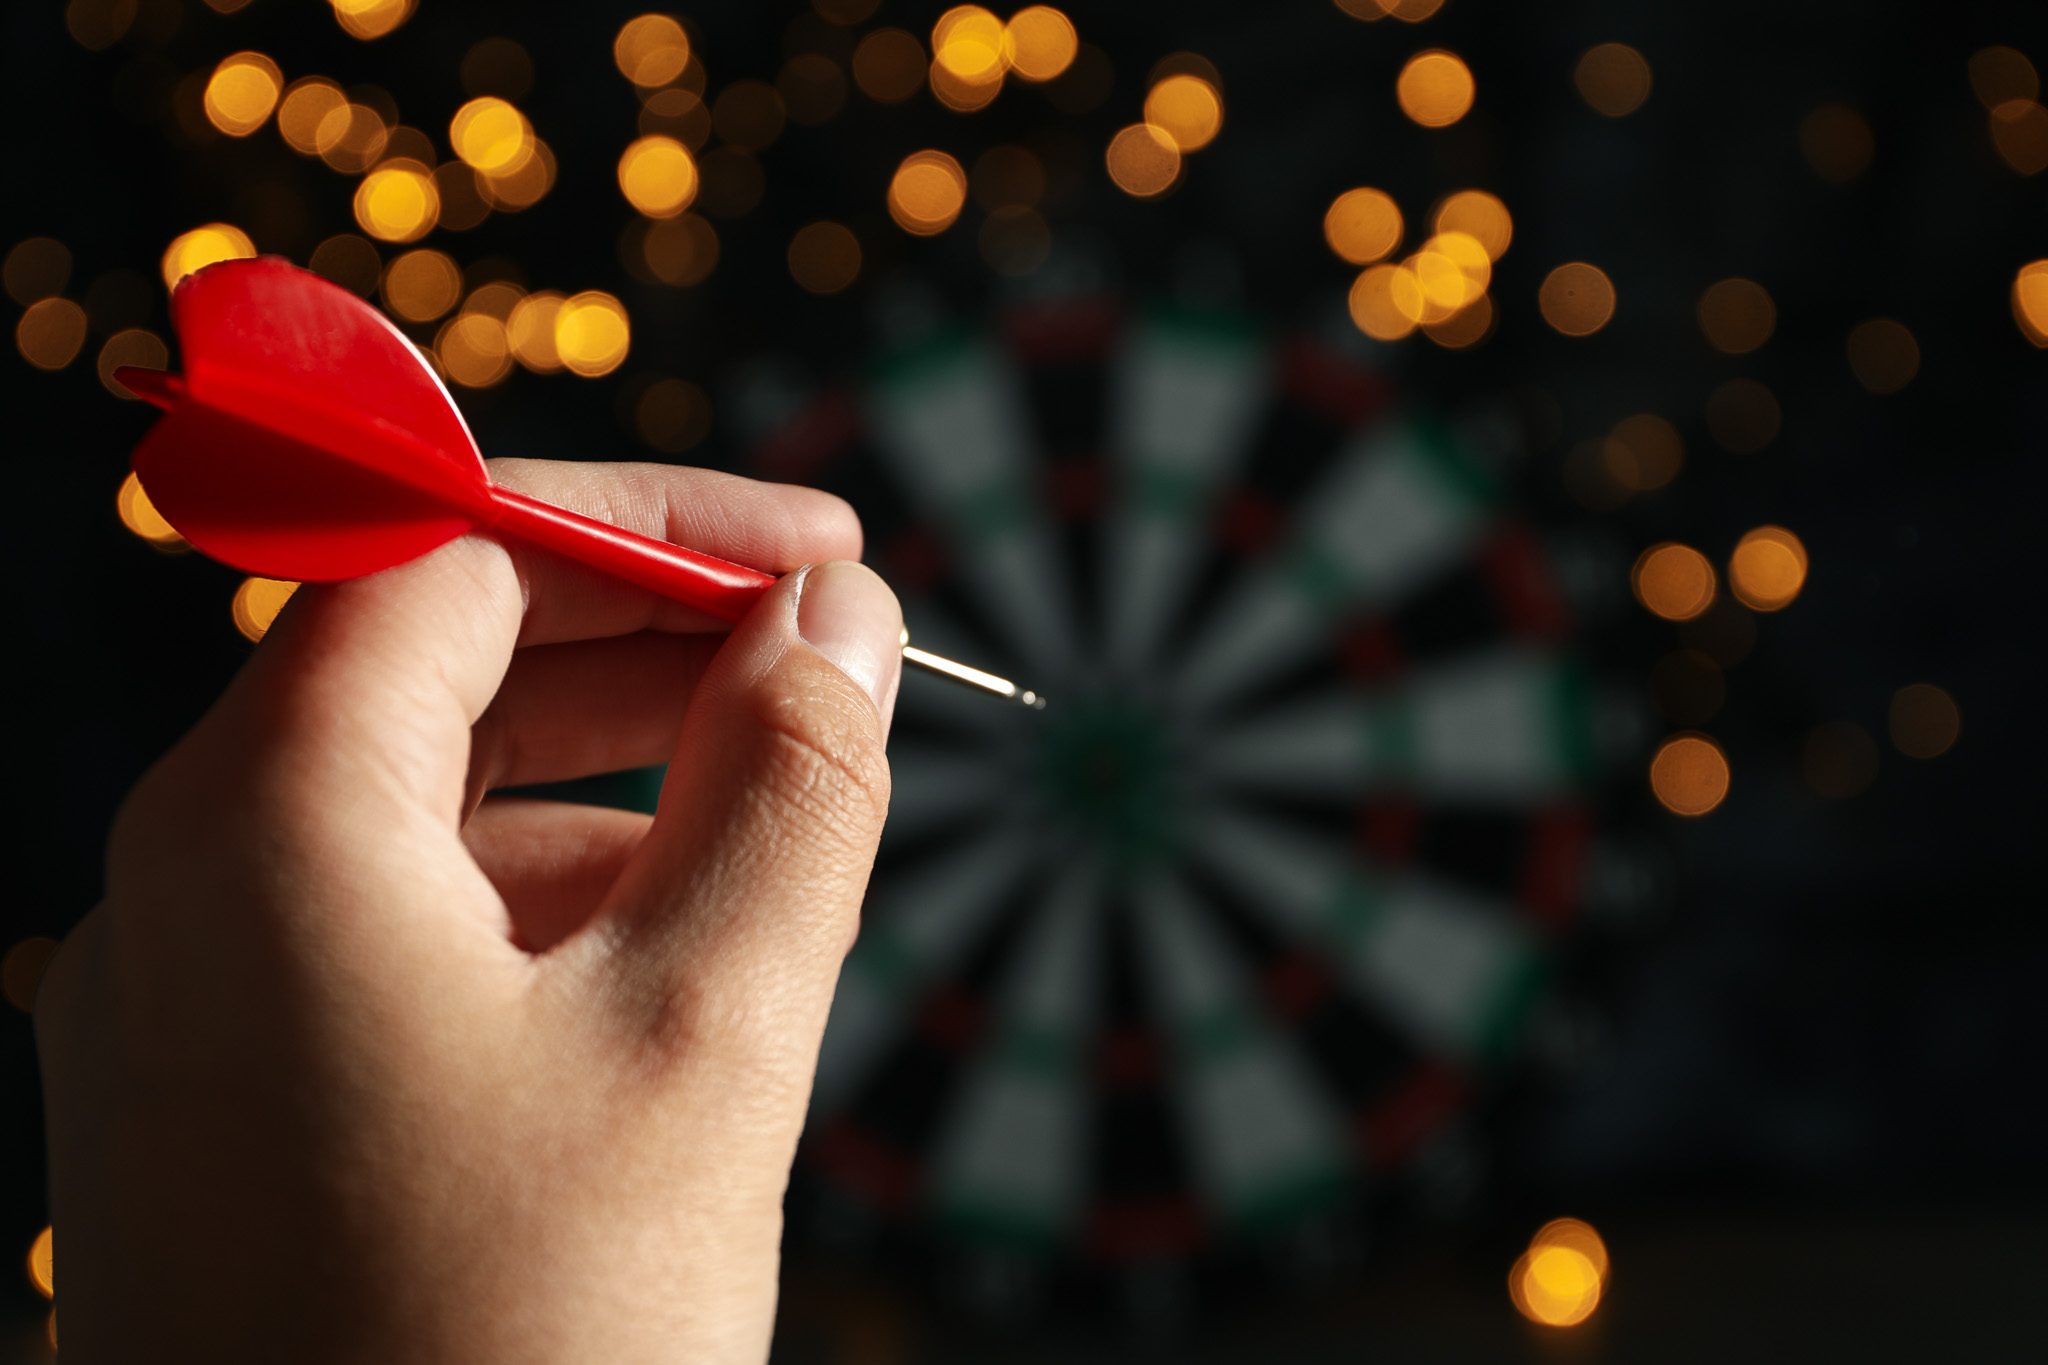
x,y
421,285
1041,42
1363,225
1643,453
1737,315
1884,355
50,334
306,104
1613,79
1924,721
1838,759
491,135
1673,581
2019,130
677,251
968,44
824,257
524,185
1578,1235
497,66
1187,109
256,605
889,65
97,25
21,971
530,331
2030,301
348,260
961,95
136,346
1836,142
1576,298
1142,161
351,138
812,87
1999,75
463,205
1479,215
1453,269
651,50
367,19
592,334
1743,416
398,201
1015,241
672,415
202,246
495,299
927,193
749,115
1374,310
1435,88
1556,1286
42,1259
36,267
1767,569
658,176
140,516
1465,328
241,93
679,114
472,350
1689,776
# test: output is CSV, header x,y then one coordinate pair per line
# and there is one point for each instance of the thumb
x,y
731,920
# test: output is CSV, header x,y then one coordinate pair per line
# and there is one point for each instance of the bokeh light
x,y
1883,354
812,87
530,331
968,44
398,201
304,109
1737,315
36,268
677,251
1924,721
1689,775
524,185
202,246
349,261
824,257
1373,307
491,134
658,176
1613,79
749,115
679,114
256,604
1576,298
1363,225
1743,416
140,516
42,1258
97,25
241,93
927,193
1478,215
1465,328
1187,109
497,66
1767,569
672,415
472,350
1836,142
1838,759
1559,1279
421,285
21,971
136,346
50,334
888,65
2019,130
1999,75
367,19
351,138
1042,42
1673,581
592,334
2030,301
651,50
1578,1235
1643,453
1435,88
1143,161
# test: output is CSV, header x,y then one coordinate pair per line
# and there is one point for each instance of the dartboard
x,y
1223,939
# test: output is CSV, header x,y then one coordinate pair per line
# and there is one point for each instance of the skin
x,y
357,1063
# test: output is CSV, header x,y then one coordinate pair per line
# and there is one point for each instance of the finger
x,y
552,862
598,706
729,923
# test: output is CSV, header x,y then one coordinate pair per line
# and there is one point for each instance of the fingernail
x,y
849,615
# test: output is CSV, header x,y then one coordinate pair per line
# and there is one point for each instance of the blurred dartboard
x,y
1222,940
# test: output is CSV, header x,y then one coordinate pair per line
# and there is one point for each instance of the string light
x,y
50,334
525,185
530,331
1576,298
1143,161
1373,308
1673,581
140,516
421,285
491,135
304,109
651,50
927,193
1187,109
242,92
256,604
1041,42
824,257
42,1271
368,19
1558,1281
1479,215
1435,88
1613,79
1767,569
398,201
1362,225
1924,721
1689,775
472,350
1737,316
2030,301
658,176
592,334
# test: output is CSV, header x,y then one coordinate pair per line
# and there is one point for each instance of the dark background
x,y
1812,1120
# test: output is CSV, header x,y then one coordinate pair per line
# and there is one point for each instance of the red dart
x,y
308,439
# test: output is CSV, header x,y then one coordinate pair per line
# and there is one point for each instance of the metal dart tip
x,y
972,677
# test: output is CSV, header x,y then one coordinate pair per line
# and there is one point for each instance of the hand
x,y
353,1064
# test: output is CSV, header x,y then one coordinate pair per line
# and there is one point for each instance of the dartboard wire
x,y
1398,505
1501,726
1008,1161
1267,1142
1187,390
949,419
1449,967
911,931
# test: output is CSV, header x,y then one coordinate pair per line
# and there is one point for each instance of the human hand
x,y
353,1064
